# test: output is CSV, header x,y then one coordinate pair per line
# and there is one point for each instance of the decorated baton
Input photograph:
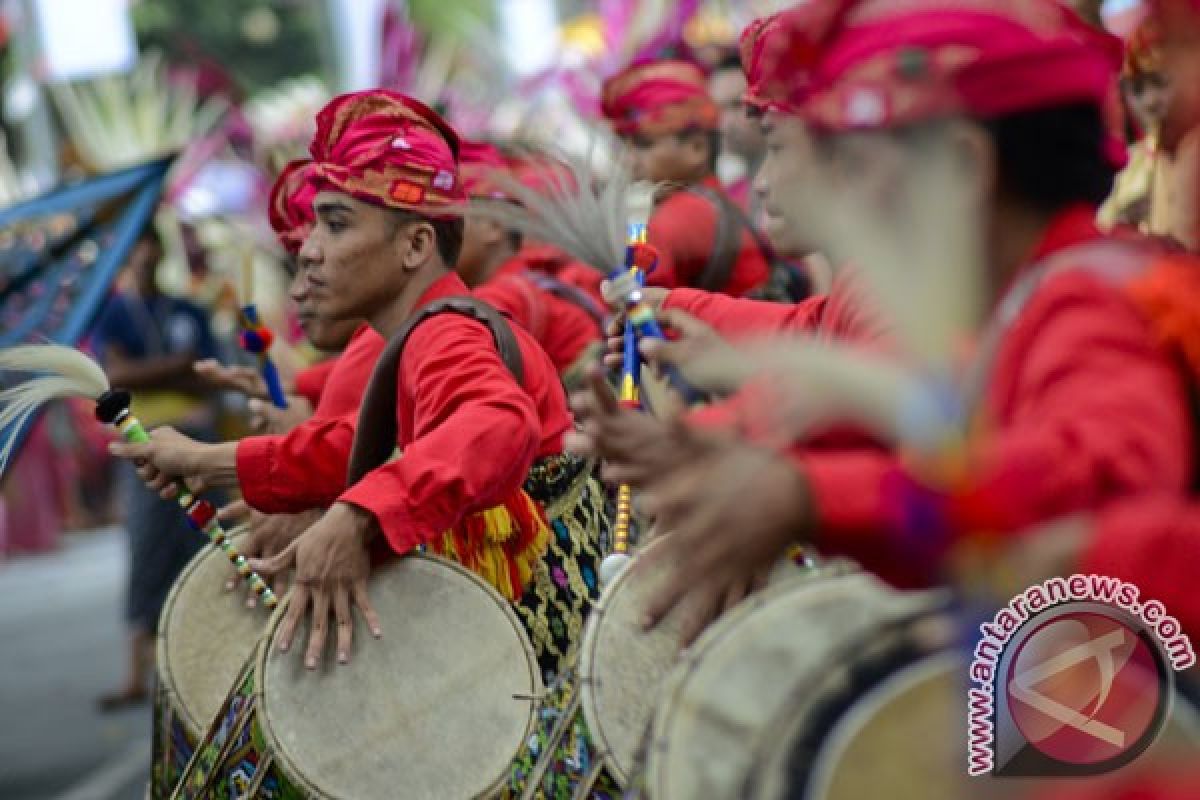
x,y
640,259
256,338
66,372
630,397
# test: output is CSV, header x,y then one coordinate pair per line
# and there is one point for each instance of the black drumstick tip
x,y
110,405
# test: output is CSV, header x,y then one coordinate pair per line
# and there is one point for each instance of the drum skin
x,y
205,636
888,719
740,671
621,666
437,708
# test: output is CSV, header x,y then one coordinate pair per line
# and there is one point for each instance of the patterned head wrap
x,y
388,149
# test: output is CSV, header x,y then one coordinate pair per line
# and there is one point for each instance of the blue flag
x,y
60,254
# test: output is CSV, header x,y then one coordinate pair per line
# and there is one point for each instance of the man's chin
x,y
779,234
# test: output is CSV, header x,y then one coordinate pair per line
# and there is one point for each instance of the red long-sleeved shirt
x,y
469,433
683,228
1152,542
310,382
839,315
563,328
1082,408
306,467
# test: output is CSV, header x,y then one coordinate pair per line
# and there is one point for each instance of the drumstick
x,y
616,561
626,286
69,373
255,337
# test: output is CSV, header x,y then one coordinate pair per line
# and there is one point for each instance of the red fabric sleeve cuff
x,y
848,490
376,495
256,457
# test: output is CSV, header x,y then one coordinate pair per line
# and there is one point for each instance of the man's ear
x,y
975,154
421,244
699,146
493,232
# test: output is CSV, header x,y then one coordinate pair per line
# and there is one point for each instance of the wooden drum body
x,y
437,708
741,671
206,636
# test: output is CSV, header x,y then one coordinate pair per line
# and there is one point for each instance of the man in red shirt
x,y
500,270
1081,406
474,436
334,387
839,314
666,116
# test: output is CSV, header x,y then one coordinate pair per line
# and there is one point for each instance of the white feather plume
x,y
818,382
60,372
585,216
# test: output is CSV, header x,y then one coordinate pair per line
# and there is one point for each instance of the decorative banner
x,y
60,254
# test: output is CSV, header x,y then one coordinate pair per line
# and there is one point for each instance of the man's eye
x,y
336,225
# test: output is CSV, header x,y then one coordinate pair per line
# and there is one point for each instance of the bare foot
x,y
125,698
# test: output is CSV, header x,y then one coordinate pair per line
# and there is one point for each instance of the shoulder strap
x,y
727,242
783,282
375,436
572,294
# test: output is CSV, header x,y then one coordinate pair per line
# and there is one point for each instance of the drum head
x,y
438,707
205,637
740,671
888,719
902,739
621,666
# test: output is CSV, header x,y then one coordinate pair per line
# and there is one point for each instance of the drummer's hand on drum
x,y
268,536
332,565
731,516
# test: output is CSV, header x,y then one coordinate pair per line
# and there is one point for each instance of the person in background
x,y
501,270
665,114
147,341
1140,196
741,134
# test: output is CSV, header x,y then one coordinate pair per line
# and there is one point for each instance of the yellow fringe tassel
x,y
501,544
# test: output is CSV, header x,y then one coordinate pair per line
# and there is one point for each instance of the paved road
x,y
62,644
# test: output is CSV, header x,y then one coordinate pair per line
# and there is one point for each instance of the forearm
x,y
216,464
166,373
736,318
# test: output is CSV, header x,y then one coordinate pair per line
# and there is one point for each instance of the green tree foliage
x,y
257,42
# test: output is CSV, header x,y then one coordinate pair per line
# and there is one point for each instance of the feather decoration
x,y
577,213
65,372
11,190
814,382
669,32
917,248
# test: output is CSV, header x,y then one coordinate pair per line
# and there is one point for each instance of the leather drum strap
x,y
375,437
